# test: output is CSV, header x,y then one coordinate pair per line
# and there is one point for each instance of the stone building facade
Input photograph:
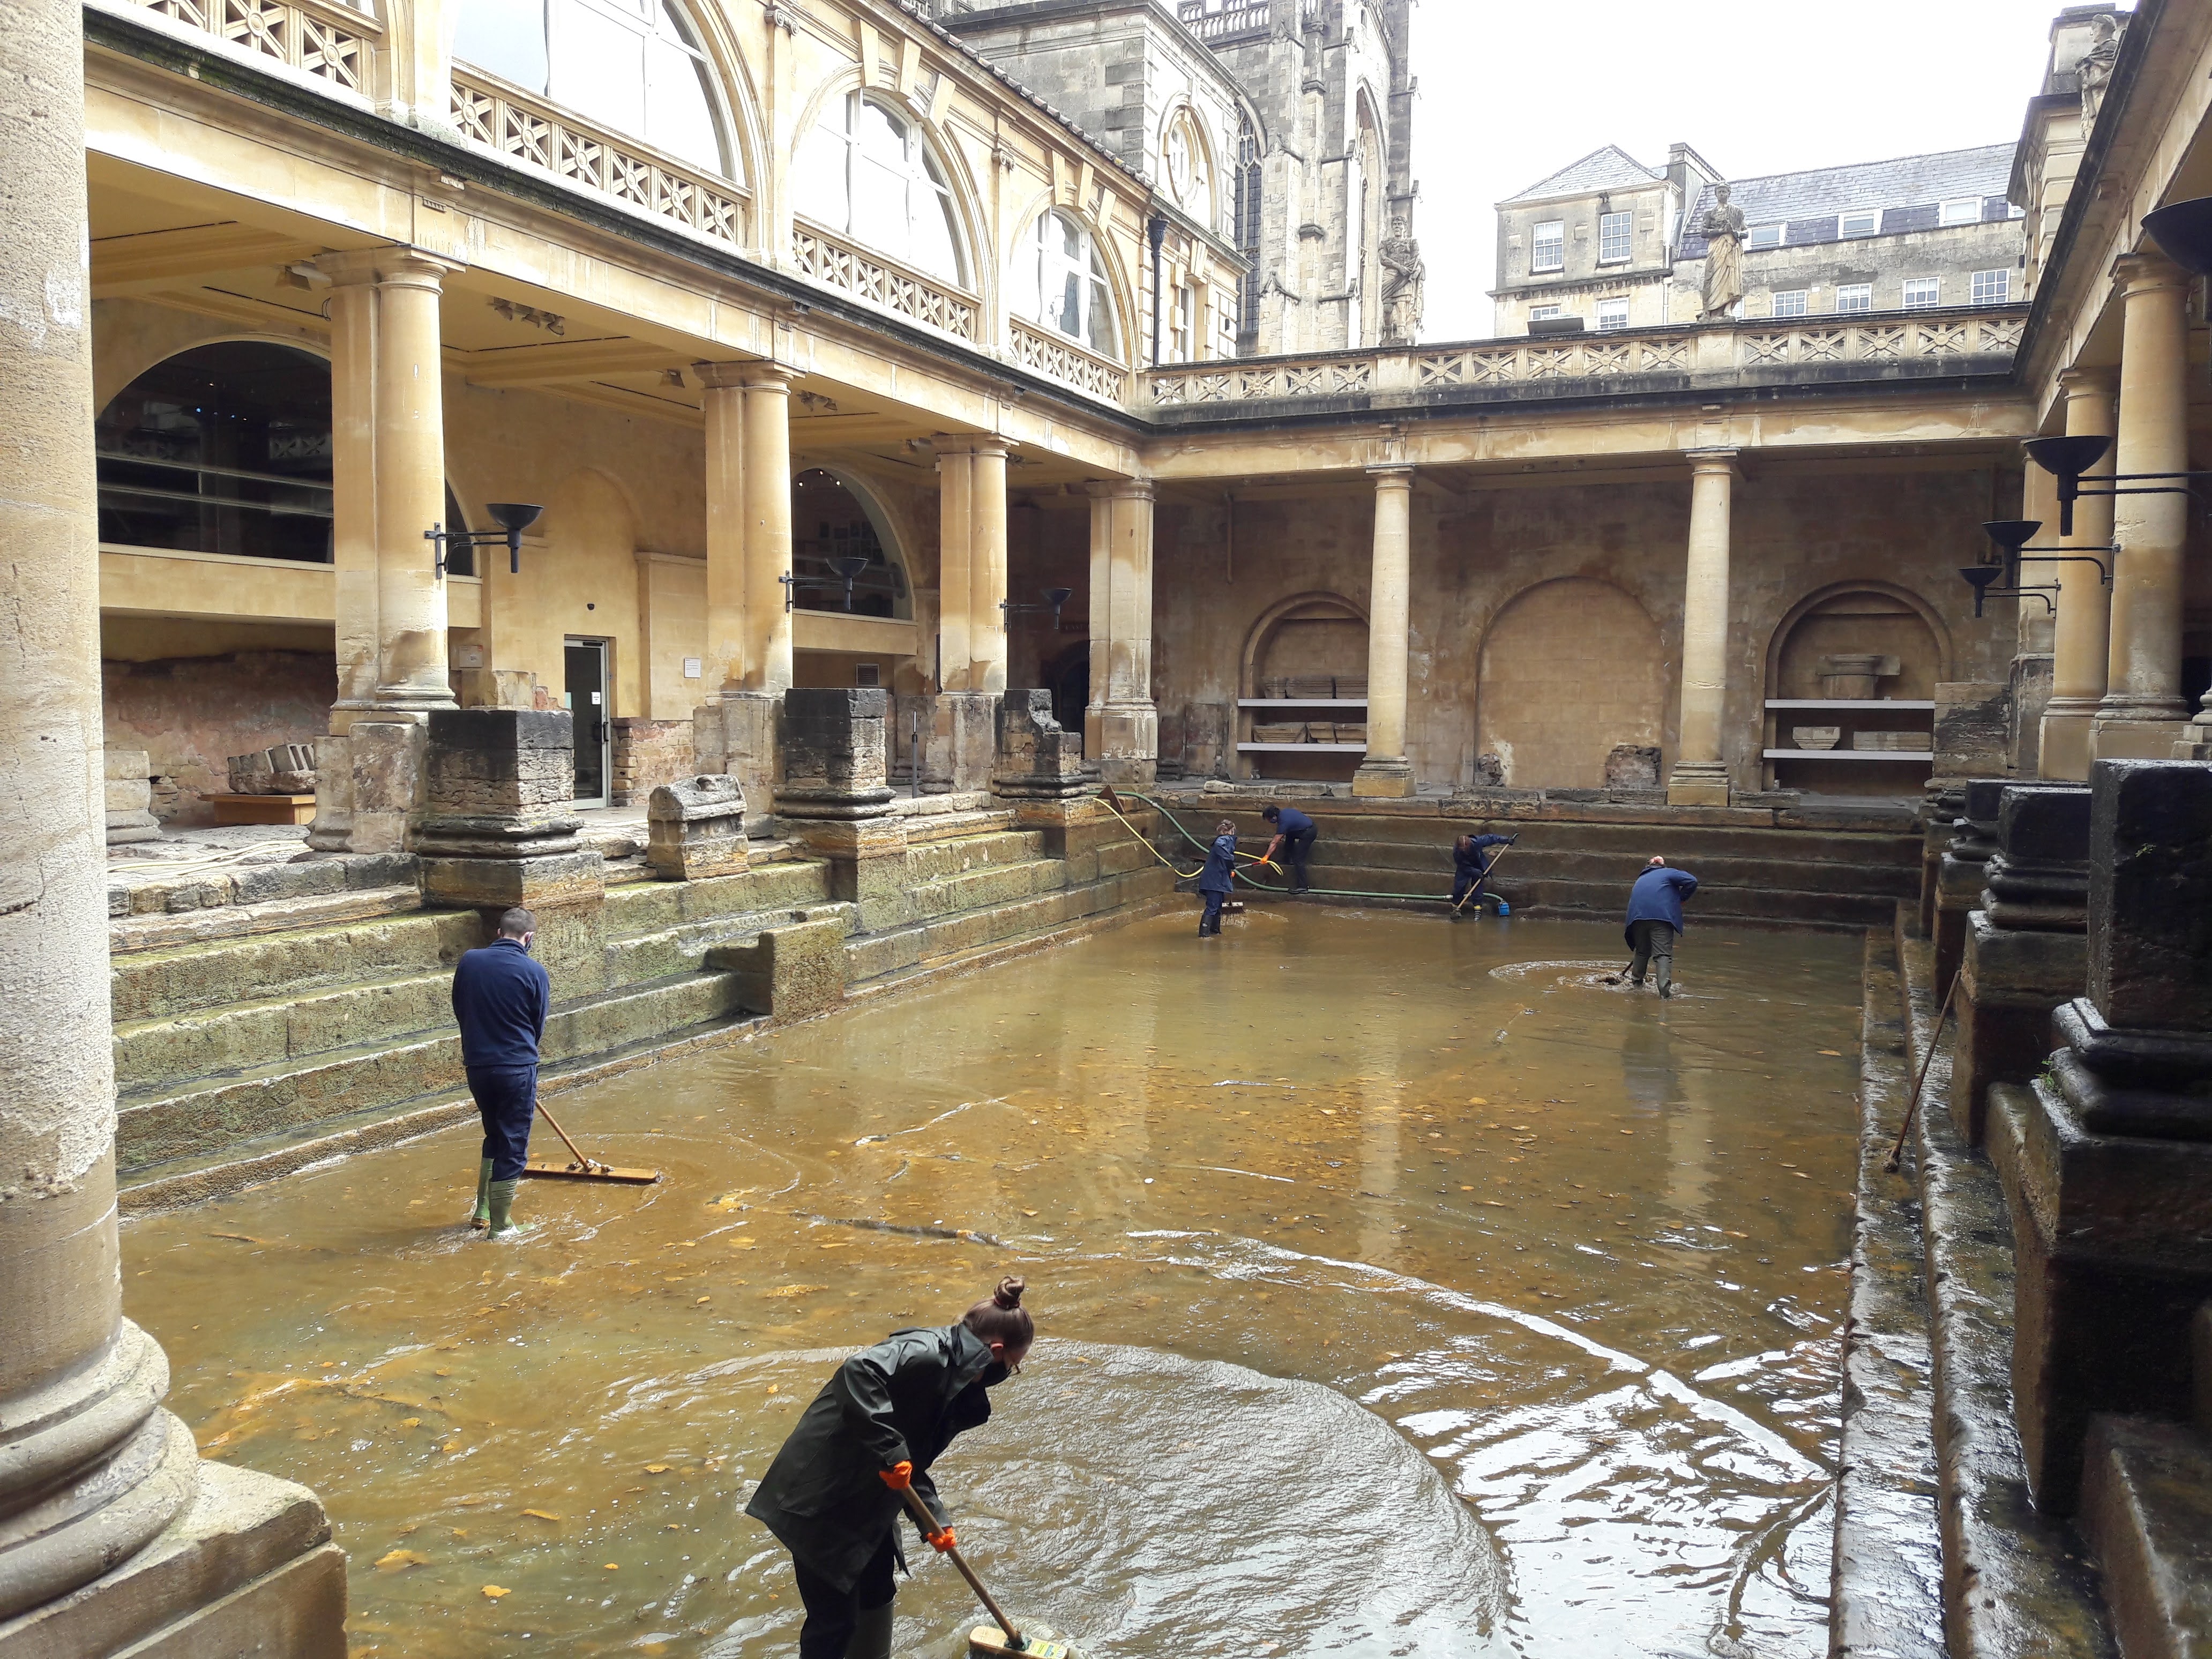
x,y
1619,245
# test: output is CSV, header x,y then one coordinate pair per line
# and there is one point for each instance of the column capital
x,y
970,443
2090,380
766,376
722,377
2148,272
1392,475
1129,489
395,262
1713,460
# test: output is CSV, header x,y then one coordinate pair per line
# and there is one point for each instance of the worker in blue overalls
x,y
1218,876
1294,835
1471,862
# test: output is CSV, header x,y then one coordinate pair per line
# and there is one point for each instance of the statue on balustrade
x,y
1404,277
1723,229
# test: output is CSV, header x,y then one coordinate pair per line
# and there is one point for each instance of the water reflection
x,y
1313,1249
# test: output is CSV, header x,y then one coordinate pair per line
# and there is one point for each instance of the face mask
x,y
995,1373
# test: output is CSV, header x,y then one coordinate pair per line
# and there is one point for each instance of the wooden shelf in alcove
x,y
1310,702
1923,755
1301,748
1902,705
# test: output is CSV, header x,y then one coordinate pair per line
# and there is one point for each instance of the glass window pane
x,y
506,38
882,136
680,113
934,245
598,65
1102,314
879,209
818,179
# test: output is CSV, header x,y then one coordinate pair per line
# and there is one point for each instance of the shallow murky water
x,y
1406,1292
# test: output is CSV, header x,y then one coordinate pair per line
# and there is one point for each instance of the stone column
x,y
353,537
961,735
987,568
955,529
835,799
411,481
2035,623
2025,949
1121,723
735,733
2081,638
1386,773
2143,713
1701,777
111,1533
2107,1159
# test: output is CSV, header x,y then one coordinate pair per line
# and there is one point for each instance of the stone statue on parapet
x,y
2094,71
1404,277
1723,229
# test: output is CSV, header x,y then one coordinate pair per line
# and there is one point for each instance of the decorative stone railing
x,y
333,43
1890,345
1229,23
521,128
1059,357
874,278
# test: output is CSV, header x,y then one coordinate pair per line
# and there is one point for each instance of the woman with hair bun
x,y
832,1495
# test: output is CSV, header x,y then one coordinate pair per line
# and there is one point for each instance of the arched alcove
x,y
1855,619
1301,690
1570,669
835,517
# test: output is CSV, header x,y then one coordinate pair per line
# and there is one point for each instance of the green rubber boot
x,y
481,1215
504,1225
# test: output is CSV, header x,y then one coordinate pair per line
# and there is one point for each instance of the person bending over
x,y
1294,835
1471,862
499,997
1655,917
832,1497
1219,877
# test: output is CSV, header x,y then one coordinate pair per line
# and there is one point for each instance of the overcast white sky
x,y
1511,93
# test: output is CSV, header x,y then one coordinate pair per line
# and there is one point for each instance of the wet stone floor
x,y
1404,1290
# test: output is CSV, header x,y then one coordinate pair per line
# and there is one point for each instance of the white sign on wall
x,y
691,668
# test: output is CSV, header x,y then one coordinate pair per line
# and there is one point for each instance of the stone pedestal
x,y
963,744
739,736
1036,759
130,798
2026,946
497,829
1940,806
2107,1159
836,799
382,753
1960,877
696,828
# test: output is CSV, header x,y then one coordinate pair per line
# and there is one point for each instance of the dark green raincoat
x,y
901,1401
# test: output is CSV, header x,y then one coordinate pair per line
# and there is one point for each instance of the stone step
x,y
901,952
160,984
216,1113
2147,1508
683,949
951,855
991,886
655,907
160,931
922,828
150,1053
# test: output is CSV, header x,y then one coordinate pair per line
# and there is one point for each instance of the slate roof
x,y
1610,167
1908,191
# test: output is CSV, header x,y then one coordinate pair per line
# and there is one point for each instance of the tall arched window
x,y
633,66
865,173
1246,230
1060,281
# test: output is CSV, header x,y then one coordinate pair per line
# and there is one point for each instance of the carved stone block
x,y
1038,760
833,754
696,828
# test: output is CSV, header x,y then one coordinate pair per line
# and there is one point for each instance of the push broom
x,y
986,1640
584,1168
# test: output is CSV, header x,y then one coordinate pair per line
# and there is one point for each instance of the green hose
x,y
1330,892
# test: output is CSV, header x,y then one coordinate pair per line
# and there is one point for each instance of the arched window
x,y
1247,228
221,449
633,66
1060,281
865,173
834,534
1187,165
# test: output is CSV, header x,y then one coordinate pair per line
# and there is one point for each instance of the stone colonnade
x,y
2081,633
113,1535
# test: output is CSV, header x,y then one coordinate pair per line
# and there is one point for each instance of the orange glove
x,y
942,1542
898,1477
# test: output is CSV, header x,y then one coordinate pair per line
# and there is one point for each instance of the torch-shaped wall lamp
x,y
2012,536
1053,599
1998,577
514,517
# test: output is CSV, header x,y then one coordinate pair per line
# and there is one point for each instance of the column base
x,y
2195,744
1383,780
1698,783
737,735
247,1568
2146,736
1123,739
385,753
964,739
2064,754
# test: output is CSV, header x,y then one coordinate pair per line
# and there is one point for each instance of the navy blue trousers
x,y
507,1098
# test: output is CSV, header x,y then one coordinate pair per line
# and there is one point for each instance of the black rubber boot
x,y
871,1636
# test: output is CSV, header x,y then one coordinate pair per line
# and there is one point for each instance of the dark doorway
x,y
1068,678
586,699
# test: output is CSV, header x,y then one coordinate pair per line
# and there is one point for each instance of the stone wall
x,y
191,714
647,754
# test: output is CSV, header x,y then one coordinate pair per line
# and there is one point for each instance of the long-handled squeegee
x,y
584,1168
1005,1638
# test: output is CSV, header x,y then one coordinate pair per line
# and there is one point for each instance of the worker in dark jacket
x,y
833,1496
1216,880
1294,837
1471,862
1655,917
501,995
